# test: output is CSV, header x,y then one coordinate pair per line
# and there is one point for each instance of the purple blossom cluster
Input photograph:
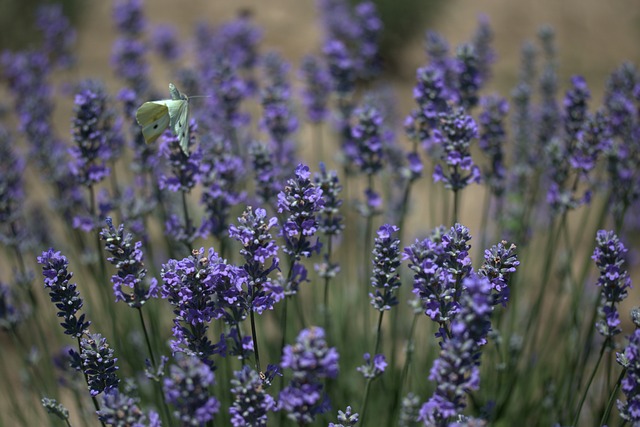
x,y
90,137
630,360
614,281
310,360
455,131
260,254
492,139
301,199
128,260
317,89
189,285
358,29
98,364
64,295
384,276
186,387
251,403
224,300
120,409
456,371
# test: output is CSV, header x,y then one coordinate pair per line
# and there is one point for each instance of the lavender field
x,y
283,238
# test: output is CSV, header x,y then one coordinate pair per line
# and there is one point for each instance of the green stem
x,y
486,206
456,205
365,399
367,263
591,377
187,221
165,408
607,412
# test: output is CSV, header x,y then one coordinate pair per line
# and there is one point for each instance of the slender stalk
x,y
486,206
365,399
187,221
456,205
368,233
591,377
607,412
327,279
405,371
165,408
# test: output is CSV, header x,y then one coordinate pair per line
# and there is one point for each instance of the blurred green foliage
x,y
17,21
403,20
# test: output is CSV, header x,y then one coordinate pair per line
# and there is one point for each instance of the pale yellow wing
x,y
154,118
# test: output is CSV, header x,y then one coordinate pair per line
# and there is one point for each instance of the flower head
x,y
62,293
302,200
128,259
98,363
630,359
614,280
454,134
186,387
251,403
386,260
310,360
456,371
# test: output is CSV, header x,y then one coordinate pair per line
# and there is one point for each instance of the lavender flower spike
x,y
251,403
128,259
302,199
614,280
186,388
454,134
311,360
119,409
630,410
346,418
386,260
456,371
98,364
64,295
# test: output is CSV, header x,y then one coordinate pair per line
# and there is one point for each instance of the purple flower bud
x,y
614,280
251,403
310,360
98,364
187,389
63,294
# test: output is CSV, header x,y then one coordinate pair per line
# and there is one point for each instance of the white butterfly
x,y
156,116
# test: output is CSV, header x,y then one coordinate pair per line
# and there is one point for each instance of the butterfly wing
x,y
154,118
179,114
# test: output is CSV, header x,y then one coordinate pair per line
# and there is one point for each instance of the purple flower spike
x,y
310,360
454,134
251,403
118,408
630,410
492,140
63,294
128,259
346,418
386,260
187,389
500,262
317,89
98,364
614,280
373,367
302,200
457,371
89,135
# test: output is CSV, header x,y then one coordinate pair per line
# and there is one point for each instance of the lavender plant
x,y
524,330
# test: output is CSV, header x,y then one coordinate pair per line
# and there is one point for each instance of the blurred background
x,y
593,37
